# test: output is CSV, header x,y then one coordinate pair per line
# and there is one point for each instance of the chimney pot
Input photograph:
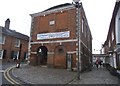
x,y
7,23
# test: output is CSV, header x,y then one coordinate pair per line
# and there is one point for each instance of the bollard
x,y
18,65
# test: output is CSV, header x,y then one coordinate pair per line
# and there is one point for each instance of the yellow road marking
x,y
8,77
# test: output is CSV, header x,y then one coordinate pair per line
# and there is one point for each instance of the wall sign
x,y
64,34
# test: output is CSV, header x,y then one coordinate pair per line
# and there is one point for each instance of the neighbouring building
x,y
101,56
12,44
54,39
112,44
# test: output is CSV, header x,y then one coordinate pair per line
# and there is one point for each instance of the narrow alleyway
x,y
96,76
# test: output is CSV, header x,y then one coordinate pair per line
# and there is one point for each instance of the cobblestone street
x,y
44,75
97,76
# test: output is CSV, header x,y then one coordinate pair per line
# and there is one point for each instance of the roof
x,y
58,6
54,9
13,33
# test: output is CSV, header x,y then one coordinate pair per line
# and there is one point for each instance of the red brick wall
x,y
9,46
64,21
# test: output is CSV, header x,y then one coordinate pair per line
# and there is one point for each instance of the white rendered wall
x,y
117,26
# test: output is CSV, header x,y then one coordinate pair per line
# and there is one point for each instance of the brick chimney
x,y
117,0
7,23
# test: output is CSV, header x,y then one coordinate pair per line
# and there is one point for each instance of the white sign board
x,y
64,34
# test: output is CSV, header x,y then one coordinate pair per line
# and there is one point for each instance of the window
x,y
25,56
17,43
82,25
119,57
15,55
1,54
51,22
2,39
61,50
109,43
88,37
112,35
85,31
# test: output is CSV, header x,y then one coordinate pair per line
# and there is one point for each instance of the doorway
x,y
60,57
42,55
69,61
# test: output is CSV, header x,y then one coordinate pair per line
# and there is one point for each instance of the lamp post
x,y
78,7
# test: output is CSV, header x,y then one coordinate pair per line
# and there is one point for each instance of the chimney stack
x,y
7,23
117,0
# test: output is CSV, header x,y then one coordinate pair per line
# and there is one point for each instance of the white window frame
x,y
112,35
3,41
52,22
16,53
1,57
109,43
17,44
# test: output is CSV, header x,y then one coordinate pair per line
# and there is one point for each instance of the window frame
x,y
1,56
109,43
112,35
51,22
17,42
82,25
16,54
3,39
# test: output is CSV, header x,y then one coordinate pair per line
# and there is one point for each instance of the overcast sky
x,y
98,13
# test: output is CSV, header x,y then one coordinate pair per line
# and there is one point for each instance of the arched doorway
x,y
60,57
42,55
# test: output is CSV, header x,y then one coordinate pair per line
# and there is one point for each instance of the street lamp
x,y
78,5
76,1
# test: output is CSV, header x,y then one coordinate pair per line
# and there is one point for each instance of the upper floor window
x,y
2,39
17,43
86,30
52,22
109,43
112,35
82,24
88,36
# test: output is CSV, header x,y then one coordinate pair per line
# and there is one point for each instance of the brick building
x,y
112,44
12,44
54,39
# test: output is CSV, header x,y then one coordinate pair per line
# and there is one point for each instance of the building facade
x,y
12,44
112,43
54,39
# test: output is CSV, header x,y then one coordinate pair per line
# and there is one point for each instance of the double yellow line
x,y
8,77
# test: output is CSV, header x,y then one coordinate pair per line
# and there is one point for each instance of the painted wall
x,y
117,25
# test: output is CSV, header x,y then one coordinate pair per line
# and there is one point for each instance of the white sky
x,y
98,13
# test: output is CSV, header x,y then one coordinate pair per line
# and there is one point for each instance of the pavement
x,y
97,76
44,75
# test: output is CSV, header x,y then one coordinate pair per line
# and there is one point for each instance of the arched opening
x,y
60,57
42,55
